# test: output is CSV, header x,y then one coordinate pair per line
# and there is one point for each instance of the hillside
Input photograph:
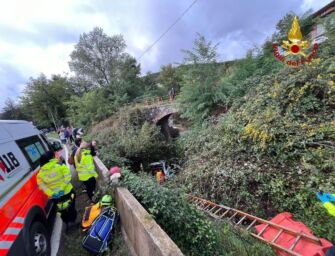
x,y
273,151
270,149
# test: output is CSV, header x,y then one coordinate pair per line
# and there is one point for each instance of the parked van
x,y
24,209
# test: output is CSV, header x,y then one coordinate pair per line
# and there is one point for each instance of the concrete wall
x,y
142,234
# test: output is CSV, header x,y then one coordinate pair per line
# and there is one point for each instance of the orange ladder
x,y
246,221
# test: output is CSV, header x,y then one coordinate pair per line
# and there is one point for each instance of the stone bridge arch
x,y
165,113
160,115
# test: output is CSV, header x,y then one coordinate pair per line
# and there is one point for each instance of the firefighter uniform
x,y
54,180
327,200
86,171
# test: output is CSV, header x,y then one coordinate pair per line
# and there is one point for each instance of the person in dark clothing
x,y
331,251
70,134
69,214
172,94
74,150
66,135
93,148
74,133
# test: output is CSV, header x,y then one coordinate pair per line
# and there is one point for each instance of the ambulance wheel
x,y
39,240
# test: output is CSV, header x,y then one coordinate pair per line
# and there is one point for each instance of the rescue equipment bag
x,y
97,238
92,212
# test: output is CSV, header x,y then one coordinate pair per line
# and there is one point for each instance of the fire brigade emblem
x,y
295,45
293,48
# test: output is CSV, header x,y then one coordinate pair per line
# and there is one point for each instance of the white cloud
x,y
315,5
42,26
31,59
25,15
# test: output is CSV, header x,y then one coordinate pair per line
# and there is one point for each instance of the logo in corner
x,y
294,48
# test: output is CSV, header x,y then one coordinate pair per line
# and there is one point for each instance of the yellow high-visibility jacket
x,y
330,207
53,178
85,167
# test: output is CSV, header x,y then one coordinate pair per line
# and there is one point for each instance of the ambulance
x,y
25,211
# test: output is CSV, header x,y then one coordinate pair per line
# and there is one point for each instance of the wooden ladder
x,y
246,221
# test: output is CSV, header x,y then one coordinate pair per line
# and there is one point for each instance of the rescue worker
x,y
331,251
54,179
328,201
85,168
160,177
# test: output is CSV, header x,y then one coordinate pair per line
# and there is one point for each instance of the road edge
x,y
58,224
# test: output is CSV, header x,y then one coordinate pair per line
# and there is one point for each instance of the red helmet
x,y
115,169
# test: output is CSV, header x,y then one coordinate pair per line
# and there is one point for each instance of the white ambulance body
x,y
24,209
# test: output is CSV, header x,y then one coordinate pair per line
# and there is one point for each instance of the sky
x,y
37,36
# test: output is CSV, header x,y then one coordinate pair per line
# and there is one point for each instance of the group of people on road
x,y
69,134
54,178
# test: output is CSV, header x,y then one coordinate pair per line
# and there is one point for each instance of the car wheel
x,y
39,240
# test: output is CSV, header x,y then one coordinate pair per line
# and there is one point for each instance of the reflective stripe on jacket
x,y
53,178
85,167
330,207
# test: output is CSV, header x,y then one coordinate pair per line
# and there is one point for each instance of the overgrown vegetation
x,y
188,227
272,148
128,139
275,148
262,140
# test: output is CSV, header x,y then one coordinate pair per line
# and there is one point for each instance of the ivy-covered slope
x,y
274,150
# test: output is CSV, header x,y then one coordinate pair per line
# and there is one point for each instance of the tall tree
x,y
44,99
169,77
103,69
199,91
12,111
99,58
203,52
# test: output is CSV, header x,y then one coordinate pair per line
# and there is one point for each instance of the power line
x,y
169,28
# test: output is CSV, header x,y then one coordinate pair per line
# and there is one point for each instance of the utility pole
x,y
53,119
49,109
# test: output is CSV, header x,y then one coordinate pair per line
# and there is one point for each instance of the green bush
x,y
127,139
188,227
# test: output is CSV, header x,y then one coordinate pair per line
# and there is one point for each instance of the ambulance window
x,y
32,148
44,139
40,148
33,152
